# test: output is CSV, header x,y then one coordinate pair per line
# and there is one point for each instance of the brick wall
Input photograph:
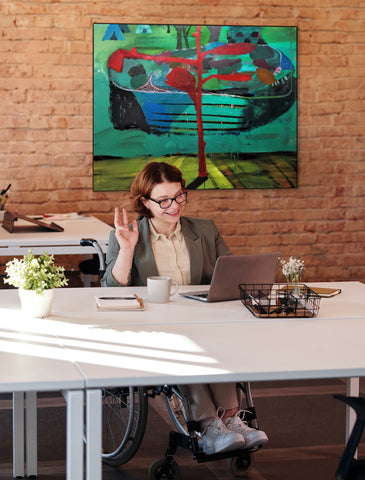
x,y
46,123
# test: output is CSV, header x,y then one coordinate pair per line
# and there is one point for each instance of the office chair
x,y
349,468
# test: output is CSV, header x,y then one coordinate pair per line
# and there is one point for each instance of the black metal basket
x,y
278,300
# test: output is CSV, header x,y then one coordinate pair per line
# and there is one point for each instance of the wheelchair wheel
x,y
157,470
176,409
241,465
124,422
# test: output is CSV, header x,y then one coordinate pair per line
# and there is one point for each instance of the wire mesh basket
x,y
277,300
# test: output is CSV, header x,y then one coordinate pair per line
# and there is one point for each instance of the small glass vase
x,y
36,304
294,283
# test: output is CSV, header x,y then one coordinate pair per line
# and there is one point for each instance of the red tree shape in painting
x,y
181,79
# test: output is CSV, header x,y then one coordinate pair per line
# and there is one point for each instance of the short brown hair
x,y
150,175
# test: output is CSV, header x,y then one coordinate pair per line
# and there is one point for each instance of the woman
x,y
163,242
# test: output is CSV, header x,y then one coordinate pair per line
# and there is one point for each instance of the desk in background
x,y
56,243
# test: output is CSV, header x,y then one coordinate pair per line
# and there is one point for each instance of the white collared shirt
x,y
171,255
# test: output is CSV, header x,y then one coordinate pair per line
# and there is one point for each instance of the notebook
x,y
119,303
231,270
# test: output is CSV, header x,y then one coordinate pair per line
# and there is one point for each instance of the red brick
x,y
46,124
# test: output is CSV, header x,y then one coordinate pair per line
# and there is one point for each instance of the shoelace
x,y
241,415
219,417
239,418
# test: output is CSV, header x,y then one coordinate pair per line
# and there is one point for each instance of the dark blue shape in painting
x,y
113,32
157,115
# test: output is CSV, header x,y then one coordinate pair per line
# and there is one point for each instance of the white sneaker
x,y
217,438
252,436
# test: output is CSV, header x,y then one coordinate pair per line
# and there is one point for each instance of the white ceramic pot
x,y
36,304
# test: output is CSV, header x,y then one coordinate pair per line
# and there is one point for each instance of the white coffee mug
x,y
159,289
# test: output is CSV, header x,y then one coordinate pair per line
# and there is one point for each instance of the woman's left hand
x,y
126,237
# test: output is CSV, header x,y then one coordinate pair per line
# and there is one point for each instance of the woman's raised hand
x,y
126,237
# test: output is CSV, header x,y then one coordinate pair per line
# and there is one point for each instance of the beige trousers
x,y
205,399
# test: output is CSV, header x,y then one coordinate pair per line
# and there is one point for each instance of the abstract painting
x,y
219,102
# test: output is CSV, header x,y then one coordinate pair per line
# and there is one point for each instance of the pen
x,y
139,300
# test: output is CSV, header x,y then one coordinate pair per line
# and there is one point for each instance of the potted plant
x,y
36,279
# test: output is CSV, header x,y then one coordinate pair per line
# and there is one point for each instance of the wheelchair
x,y
124,419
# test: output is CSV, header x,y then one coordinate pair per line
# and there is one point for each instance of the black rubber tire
x,y
241,465
155,471
125,413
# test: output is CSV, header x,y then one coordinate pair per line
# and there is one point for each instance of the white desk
x,y
77,306
184,342
56,243
32,360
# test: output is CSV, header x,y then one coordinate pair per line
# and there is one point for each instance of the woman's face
x,y
165,216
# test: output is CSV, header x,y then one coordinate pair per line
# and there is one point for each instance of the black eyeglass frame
x,y
183,195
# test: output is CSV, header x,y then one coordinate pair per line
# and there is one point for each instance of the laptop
x,y
231,270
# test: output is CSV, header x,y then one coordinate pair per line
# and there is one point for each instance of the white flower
x,y
292,269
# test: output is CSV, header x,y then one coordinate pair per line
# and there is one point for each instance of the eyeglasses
x,y
167,202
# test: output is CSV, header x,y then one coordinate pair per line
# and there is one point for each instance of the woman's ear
x,y
144,201
147,212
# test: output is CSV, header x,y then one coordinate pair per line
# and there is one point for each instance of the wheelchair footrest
x,y
187,442
202,457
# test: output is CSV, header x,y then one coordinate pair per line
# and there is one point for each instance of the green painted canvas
x,y
219,102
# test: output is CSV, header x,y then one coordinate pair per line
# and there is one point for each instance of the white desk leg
x,y
31,433
75,443
93,434
18,434
353,390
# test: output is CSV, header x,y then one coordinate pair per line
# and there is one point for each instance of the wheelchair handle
x,y
91,242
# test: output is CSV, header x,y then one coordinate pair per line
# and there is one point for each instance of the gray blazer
x,y
203,241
